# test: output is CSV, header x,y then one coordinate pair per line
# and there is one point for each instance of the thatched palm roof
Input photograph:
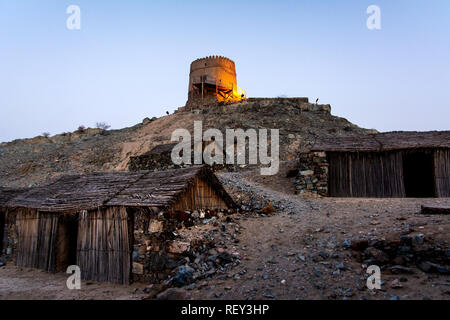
x,y
387,141
84,192
160,189
7,194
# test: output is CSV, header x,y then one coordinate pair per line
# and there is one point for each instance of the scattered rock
x,y
406,240
172,294
224,258
376,256
347,244
146,121
178,247
269,209
306,173
358,245
340,266
155,226
395,284
430,267
153,290
138,268
418,239
397,269
183,277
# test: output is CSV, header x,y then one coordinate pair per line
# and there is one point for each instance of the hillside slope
x,y
39,160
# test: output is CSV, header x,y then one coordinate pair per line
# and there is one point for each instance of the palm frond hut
x,y
100,221
392,164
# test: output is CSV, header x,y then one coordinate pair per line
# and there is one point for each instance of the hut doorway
x,y
418,174
66,243
2,230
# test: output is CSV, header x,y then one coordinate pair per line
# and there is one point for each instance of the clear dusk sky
x,y
130,60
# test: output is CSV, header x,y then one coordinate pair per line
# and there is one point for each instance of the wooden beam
x,y
435,210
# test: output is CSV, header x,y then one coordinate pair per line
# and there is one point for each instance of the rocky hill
x,y
35,161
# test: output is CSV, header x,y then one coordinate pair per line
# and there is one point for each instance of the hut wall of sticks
x,y
116,226
391,164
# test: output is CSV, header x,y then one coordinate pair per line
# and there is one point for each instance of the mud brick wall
x,y
312,175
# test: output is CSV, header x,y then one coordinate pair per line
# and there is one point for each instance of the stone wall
x,y
255,105
9,239
151,233
163,161
312,175
153,162
159,248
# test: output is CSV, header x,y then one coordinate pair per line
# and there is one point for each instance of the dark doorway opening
x,y
418,175
66,246
2,229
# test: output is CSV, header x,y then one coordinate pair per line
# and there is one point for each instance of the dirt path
x,y
298,252
287,256
32,284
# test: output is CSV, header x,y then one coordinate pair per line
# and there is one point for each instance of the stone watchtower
x,y
213,79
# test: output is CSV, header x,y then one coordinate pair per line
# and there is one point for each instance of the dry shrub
x,y
269,209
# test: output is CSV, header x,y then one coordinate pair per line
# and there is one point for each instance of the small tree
x,y
103,125
81,129
46,134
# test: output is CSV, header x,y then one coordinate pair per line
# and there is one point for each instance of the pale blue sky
x,y
130,60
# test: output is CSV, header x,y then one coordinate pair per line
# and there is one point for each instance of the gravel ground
x,y
32,284
297,252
